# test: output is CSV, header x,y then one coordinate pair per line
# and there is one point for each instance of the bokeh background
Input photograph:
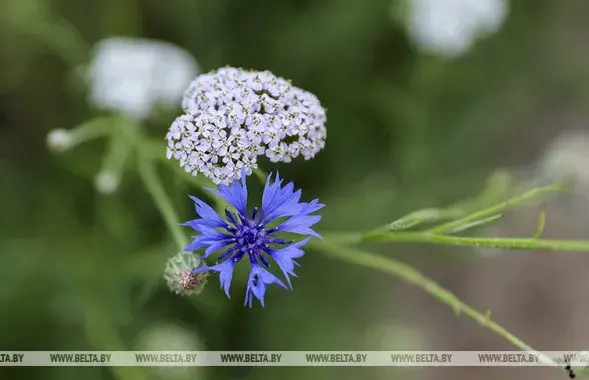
x,y
414,121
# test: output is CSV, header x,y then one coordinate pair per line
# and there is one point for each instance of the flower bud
x,y
106,182
59,140
178,274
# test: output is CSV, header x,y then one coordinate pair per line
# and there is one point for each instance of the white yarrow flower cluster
x,y
450,27
233,116
133,75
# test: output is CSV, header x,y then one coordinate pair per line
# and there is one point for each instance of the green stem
x,y
64,39
506,243
92,129
102,334
115,159
160,198
414,277
155,152
261,175
535,193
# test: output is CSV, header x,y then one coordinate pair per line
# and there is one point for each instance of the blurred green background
x,y
406,130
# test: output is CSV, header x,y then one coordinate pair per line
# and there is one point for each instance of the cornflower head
x,y
253,233
232,116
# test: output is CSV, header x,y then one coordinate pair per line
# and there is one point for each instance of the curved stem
x,y
64,39
154,151
91,130
160,198
414,277
115,159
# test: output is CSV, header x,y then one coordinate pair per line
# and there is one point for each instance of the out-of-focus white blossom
x,y
450,27
567,159
232,116
391,335
106,182
179,277
59,140
167,336
132,76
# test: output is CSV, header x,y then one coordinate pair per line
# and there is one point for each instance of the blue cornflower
x,y
249,233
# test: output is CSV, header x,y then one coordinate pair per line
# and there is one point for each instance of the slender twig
x,y
498,208
160,198
484,242
440,233
414,277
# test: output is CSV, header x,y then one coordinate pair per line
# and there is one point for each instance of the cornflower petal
x,y
256,284
209,217
307,208
212,238
284,258
225,270
196,244
235,194
270,190
279,202
300,224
